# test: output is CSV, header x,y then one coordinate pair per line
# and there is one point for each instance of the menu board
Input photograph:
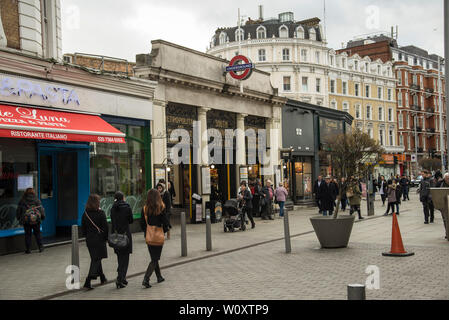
x,y
159,173
244,174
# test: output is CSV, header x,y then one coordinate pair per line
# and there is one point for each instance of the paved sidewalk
x,y
258,272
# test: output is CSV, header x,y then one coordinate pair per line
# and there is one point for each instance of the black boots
x,y
103,279
87,284
154,266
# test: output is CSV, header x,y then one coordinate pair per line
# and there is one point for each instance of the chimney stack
x,y
260,12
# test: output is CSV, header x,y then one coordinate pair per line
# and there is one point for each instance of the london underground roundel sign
x,y
240,68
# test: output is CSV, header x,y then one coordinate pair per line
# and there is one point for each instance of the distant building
x,y
100,63
418,110
293,52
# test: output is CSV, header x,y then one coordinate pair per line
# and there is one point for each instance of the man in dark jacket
x,y
246,198
425,197
268,197
328,194
121,218
405,187
316,192
257,198
29,205
166,198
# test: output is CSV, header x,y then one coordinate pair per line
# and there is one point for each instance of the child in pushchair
x,y
234,218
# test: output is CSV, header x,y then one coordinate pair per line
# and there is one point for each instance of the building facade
x,y
67,132
295,53
196,96
307,132
367,90
418,95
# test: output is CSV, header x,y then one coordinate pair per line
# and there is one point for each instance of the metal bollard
x,y
75,247
356,292
288,246
183,235
208,231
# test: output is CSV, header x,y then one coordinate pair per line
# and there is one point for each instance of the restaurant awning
x,y
31,123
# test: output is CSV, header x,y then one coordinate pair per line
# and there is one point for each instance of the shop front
x,y
66,141
307,133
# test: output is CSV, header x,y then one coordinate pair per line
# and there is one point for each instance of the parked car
x,y
415,181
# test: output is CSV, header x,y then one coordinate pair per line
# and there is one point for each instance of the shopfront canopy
x,y
31,123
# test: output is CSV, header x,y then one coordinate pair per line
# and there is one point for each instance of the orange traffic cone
x,y
397,248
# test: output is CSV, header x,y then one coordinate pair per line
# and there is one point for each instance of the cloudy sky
x,y
123,29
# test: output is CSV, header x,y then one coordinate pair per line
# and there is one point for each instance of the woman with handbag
x,y
121,218
156,225
95,229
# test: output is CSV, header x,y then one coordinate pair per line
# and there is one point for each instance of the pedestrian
x,y
30,213
246,199
335,190
316,193
327,196
354,195
383,190
153,214
257,198
121,218
444,184
281,195
268,195
344,198
398,195
404,186
391,195
425,197
166,198
171,189
95,229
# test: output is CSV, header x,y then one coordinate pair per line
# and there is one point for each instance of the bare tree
x,y
353,154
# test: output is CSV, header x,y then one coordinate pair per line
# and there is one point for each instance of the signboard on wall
x,y
199,213
159,173
243,174
24,182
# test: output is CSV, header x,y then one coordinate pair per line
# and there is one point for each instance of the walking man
x,y
425,197
316,192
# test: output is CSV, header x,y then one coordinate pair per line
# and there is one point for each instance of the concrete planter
x,y
333,233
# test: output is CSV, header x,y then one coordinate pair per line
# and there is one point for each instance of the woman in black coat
x,y
29,201
121,218
153,214
95,229
328,193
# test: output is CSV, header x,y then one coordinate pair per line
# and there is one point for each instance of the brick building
x,y
101,63
418,94
31,27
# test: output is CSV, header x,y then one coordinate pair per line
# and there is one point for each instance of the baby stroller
x,y
233,216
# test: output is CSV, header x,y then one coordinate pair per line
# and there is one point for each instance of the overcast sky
x,y
123,29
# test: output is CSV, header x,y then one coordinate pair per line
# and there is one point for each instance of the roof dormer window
x,y
312,34
283,32
239,35
300,32
261,32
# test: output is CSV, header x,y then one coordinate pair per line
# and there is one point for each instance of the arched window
x,y
261,32
312,34
283,32
223,38
239,35
300,32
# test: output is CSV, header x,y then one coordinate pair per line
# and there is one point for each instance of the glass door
x,y
48,191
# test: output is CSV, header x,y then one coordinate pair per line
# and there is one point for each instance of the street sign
x,y
413,158
240,64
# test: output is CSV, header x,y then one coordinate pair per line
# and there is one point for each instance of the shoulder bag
x,y
155,235
98,229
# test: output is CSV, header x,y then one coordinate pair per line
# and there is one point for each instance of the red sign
x,y
240,64
30,123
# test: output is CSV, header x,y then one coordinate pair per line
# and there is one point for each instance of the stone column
x,y
159,134
203,160
240,158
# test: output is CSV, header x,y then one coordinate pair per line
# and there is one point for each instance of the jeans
x,y
331,212
281,208
428,211
397,207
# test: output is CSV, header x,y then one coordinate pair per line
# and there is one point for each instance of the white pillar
x,y
203,161
240,139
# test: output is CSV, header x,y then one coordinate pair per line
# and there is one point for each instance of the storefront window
x,y
18,171
303,176
120,167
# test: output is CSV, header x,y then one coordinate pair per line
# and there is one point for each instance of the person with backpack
x,y
121,218
95,228
246,199
391,196
30,213
281,195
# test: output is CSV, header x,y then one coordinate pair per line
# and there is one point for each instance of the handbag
x,y
118,241
155,235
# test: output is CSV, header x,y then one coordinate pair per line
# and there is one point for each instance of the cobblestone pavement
x,y
236,269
